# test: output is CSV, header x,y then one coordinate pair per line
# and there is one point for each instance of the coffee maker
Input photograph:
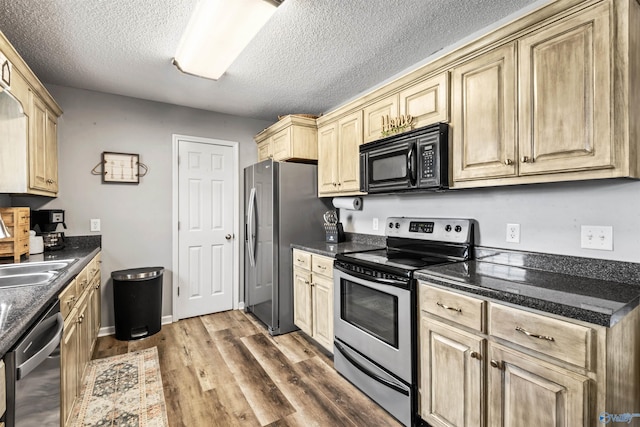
x,y
45,222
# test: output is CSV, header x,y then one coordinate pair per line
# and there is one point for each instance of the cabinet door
x,y
523,391
349,141
69,365
323,311
84,337
451,375
95,313
374,115
484,116
328,159
565,95
427,101
281,145
302,314
38,145
51,161
264,150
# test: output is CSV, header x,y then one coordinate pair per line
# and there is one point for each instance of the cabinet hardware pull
x,y
321,266
334,184
508,162
298,259
459,310
532,335
496,364
527,159
476,355
306,282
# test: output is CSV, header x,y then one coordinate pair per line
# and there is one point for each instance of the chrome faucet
x,y
3,229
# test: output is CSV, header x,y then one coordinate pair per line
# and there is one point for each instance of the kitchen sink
x,y
34,267
31,279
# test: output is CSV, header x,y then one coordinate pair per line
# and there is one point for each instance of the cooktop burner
x,y
404,260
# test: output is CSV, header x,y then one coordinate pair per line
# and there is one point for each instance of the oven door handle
x,y
368,372
411,164
396,283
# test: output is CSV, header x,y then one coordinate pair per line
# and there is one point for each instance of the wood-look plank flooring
x,y
224,369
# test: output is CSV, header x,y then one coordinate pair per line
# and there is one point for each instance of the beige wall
x,y
135,219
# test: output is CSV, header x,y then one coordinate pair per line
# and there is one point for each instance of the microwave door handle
x,y
411,168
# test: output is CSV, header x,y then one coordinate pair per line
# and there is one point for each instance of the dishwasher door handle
x,y
41,355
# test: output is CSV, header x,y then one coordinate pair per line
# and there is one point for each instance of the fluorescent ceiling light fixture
x,y
217,32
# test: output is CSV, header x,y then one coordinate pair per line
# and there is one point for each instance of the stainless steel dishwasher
x,y
33,374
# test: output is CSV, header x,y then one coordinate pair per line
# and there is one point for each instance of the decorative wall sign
x,y
396,125
120,168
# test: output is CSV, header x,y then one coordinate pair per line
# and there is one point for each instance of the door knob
x,y
228,237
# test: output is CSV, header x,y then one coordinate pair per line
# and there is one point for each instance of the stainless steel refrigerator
x,y
281,207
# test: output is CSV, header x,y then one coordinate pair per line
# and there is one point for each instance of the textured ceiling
x,y
312,56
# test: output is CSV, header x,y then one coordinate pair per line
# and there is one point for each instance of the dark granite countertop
x,y
354,243
21,306
594,300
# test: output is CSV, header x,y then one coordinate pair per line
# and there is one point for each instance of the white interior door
x,y
206,224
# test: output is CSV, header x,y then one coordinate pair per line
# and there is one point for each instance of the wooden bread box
x,y
17,221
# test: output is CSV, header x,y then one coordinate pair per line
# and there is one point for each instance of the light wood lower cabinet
x,y
519,367
313,296
79,305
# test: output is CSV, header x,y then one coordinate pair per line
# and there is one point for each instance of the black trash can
x,y
137,302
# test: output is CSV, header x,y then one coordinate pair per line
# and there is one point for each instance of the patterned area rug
x,y
122,391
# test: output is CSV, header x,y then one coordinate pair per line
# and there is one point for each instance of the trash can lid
x,y
137,273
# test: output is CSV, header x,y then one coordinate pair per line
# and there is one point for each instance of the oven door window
x,y
370,310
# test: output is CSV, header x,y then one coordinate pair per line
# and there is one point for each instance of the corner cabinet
x,y
32,143
540,107
313,296
80,308
291,138
486,363
339,156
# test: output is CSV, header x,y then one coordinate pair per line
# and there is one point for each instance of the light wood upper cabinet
x,y
427,101
328,159
484,116
565,108
43,147
339,156
349,141
31,150
291,138
375,113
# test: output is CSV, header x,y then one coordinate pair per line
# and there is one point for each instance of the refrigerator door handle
x,y
250,234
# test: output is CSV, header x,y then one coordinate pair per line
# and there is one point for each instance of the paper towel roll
x,y
349,203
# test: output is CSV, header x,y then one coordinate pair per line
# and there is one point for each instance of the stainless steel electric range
x,y
375,307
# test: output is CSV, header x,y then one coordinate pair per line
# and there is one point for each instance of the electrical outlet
x,y
596,237
95,225
374,225
513,233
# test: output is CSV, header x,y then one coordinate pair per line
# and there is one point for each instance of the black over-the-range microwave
x,y
417,160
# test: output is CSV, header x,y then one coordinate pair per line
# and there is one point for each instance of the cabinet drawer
x,y
23,217
83,280
563,340
302,259
467,311
68,298
322,265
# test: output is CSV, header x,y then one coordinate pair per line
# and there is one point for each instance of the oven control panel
x,y
453,230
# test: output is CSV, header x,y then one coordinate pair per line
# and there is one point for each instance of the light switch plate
x,y
596,237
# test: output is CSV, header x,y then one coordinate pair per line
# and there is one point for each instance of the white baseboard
x,y
110,330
